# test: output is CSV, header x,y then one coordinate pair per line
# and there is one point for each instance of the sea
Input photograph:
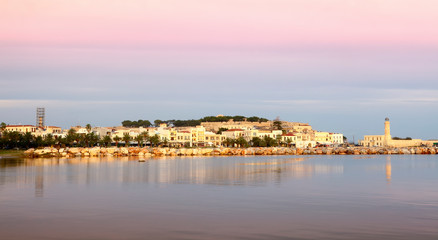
x,y
236,197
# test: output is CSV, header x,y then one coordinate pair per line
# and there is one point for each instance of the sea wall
x,y
148,152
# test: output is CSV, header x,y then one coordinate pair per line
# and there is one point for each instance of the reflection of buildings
x,y
39,181
191,170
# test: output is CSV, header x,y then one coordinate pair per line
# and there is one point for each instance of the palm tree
x,y
165,142
27,140
145,136
117,139
92,139
107,140
139,139
155,140
126,139
71,137
49,140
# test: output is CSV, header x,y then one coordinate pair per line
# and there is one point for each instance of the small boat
x,y
141,160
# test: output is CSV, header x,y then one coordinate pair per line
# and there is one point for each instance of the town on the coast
x,y
213,132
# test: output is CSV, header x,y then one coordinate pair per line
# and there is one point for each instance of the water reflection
x,y
189,170
388,169
214,198
39,181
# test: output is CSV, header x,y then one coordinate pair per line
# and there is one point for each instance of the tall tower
x,y
387,132
40,117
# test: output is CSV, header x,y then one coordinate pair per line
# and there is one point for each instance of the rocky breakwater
x,y
148,152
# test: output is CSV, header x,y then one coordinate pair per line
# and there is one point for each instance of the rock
x,y
29,152
73,151
94,151
124,151
111,150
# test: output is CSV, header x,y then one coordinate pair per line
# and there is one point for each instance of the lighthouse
x,y
387,132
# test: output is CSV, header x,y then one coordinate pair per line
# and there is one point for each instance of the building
x,y
21,128
289,138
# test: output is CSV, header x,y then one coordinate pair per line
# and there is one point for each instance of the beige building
x,y
213,139
323,137
337,138
373,141
234,133
22,128
34,130
289,139
272,134
53,130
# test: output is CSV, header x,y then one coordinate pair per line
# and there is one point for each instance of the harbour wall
x,y
148,152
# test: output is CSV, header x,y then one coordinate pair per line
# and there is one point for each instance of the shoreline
x,y
149,152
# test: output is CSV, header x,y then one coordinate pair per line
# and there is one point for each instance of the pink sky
x,y
220,22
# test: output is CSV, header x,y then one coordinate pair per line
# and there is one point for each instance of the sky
x,y
339,65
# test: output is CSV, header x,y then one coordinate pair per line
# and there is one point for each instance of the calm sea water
x,y
266,197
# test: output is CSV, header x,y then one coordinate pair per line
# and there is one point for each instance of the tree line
x,y
265,141
191,122
17,140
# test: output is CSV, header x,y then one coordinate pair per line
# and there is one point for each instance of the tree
x,y
92,139
278,139
145,136
88,127
107,140
241,142
2,126
71,137
270,142
139,139
12,139
158,122
155,140
39,141
117,140
127,123
277,124
144,123
139,123
27,140
289,142
126,139
165,142
222,129
49,140
228,142
256,142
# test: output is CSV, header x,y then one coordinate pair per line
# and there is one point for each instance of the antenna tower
x,y
40,117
